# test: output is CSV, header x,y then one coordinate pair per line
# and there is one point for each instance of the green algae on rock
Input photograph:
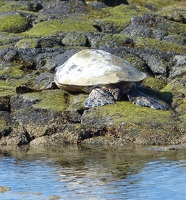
x,y
52,27
27,43
154,83
160,46
13,23
119,18
153,4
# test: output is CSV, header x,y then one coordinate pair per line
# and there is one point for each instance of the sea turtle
x,y
105,77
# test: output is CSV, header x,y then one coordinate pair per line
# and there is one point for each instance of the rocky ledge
x,y
38,36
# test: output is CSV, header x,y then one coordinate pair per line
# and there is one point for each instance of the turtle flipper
x,y
99,97
142,99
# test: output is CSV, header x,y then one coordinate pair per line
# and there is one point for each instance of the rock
x,y
43,80
96,5
157,65
179,67
13,22
4,189
41,35
75,39
151,26
4,103
175,11
27,43
61,9
5,124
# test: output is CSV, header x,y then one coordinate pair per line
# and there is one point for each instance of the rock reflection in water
x,y
92,172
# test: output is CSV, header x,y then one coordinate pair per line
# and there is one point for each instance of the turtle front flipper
x,y
142,99
99,97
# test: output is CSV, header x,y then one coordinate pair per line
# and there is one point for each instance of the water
x,y
73,172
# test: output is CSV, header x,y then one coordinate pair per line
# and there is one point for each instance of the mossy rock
x,y
12,6
154,83
8,39
136,61
153,5
13,23
52,27
114,40
18,78
124,112
6,89
178,90
75,39
27,43
57,100
175,11
13,71
119,17
160,46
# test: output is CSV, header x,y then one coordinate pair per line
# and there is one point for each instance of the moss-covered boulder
x,y
13,23
52,27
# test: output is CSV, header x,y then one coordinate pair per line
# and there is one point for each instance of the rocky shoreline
x,y
38,36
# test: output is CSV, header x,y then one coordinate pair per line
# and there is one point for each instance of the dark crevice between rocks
x,y
66,98
87,133
114,2
87,44
167,71
27,139
81,111
98,27
5,132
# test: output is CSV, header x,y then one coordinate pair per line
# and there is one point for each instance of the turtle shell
x,y
90,67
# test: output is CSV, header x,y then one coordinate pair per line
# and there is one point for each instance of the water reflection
x,y
83,172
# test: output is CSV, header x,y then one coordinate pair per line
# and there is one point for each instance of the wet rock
x,y
32,112
5,124
4,189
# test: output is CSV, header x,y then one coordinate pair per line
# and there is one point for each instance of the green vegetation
x,y
53,27
27,43
160,46
154,83
127,112
155,4
13,23
13,71
114,40
120,16
58,100
12,6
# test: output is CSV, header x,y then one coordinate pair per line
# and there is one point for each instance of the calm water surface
x,y
92,173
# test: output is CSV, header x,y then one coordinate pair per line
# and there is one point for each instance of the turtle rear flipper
x,y
99,97
142,99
